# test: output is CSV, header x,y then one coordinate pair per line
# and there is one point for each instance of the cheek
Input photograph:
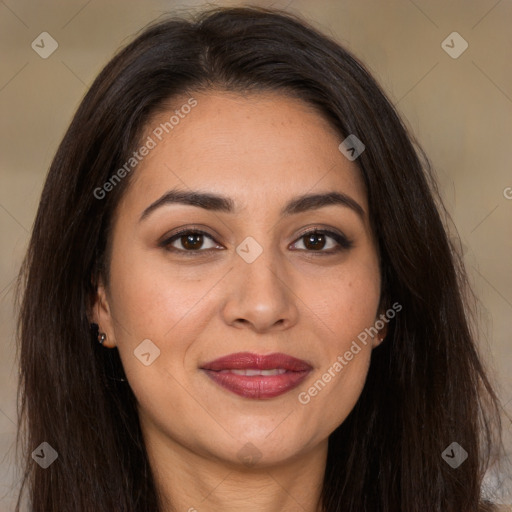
x,y
152,298
149,302
344,301
345,306
170,309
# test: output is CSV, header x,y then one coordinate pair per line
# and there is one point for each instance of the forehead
x,y
258,148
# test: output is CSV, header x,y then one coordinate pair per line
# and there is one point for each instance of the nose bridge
x,y
260,265
260,293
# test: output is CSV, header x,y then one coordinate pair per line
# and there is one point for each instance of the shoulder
x,y
503,508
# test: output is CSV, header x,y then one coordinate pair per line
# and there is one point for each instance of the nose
x,y
259,295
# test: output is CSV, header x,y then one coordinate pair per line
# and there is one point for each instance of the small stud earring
x,y
102,337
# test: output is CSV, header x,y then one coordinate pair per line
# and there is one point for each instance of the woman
x,y
239,293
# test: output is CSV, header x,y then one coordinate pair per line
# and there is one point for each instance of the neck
x,y
189,482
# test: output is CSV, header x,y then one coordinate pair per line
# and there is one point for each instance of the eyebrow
x,y
218,203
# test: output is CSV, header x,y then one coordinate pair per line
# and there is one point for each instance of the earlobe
x,y
380,337
100,313
382,326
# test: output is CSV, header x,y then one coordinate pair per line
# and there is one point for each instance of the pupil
x,y
312,241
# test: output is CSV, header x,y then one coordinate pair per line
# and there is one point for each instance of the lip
x,y
293,372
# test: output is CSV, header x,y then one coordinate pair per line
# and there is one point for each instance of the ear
x,y
100,314
383,330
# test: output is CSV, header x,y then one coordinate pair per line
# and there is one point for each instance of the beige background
x,y
460,110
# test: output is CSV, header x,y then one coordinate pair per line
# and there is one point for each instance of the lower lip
x,y
258,386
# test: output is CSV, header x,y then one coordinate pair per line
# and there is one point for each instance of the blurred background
x,y
444,65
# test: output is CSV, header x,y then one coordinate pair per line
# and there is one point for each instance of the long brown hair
x,y
426,386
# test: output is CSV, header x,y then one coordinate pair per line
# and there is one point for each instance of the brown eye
x,y
324,242
189,241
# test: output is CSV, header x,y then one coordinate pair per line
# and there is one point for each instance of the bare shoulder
x,y
503,508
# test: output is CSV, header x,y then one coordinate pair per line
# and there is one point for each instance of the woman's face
x,y
254,282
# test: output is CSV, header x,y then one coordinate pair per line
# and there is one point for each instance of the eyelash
x,y
343,242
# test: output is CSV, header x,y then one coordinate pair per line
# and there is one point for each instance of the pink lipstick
x,y
257,376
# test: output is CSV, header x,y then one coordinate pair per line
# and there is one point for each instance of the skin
x,y
261,150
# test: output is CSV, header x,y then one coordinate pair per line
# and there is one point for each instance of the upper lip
x,y
248,360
